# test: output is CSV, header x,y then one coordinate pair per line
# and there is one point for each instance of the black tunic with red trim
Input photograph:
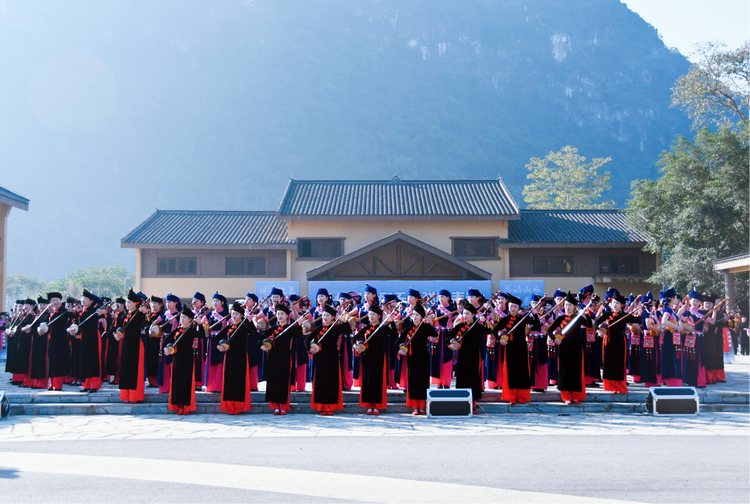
x,y
279,362
372,362
469,364
516,351
58,355
327,375
19,347
132,328
570,352
235,360
38,368
181,388
616,343
418,363
90,356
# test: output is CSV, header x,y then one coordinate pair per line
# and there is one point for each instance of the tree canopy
x,y
716,90
110,281
697,211
563,180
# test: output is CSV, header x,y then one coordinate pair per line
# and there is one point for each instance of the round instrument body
x,y
43,328
155,331
73,329
266,345
361,347
314,348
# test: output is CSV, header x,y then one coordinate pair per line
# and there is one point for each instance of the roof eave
x,y
16,203
200,246
638,245
400,217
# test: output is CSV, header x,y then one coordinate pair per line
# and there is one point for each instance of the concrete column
x,y
4,213
729,287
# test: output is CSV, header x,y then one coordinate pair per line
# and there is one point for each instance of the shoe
x,y
283,412
422,412
375,412
126,402
84,390
568,402
474,412
50,388
180,412
415,412
369,411
594,385
576,402
330,413
276,412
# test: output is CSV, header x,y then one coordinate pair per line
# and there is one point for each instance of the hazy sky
x,y
683,23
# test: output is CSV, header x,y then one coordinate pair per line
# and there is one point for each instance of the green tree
x,y
20,286
110,281
716,90
568,182
697,211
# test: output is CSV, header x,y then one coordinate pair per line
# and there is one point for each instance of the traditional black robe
x,y
113,346
153,344
279,362
235,361
468,367
616,343
22,347
11,358
181,391
132,329
327,376
372,364
516,351
90,341
38,367
570,353
418,360
59,343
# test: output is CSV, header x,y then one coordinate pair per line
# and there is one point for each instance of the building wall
x,y
210,275
585,269
585,260
359,234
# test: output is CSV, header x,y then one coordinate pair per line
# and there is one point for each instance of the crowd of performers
x,y
573,342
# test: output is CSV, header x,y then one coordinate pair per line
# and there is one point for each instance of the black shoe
x,y
593,385
84,390
16,382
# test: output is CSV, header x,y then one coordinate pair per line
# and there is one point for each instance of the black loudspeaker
x,y
673,401
4,405
449,402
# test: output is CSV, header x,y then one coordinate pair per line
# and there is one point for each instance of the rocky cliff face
x,y
189,104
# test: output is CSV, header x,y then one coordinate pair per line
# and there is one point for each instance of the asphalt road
x,y
544,468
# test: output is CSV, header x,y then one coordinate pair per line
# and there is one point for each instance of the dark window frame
x,y
494,240
302,254
570,259
246,270
173,265
619,264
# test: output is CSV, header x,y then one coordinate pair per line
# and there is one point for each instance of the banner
x,y
523,289
401,288
263,287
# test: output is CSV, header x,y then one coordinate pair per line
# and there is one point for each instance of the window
x,y
245,266
320,248
622,265
475,247
553,265
177,266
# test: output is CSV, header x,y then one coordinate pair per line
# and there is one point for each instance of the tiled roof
x,y
397,199
572,226
205,227
735,261
13,199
